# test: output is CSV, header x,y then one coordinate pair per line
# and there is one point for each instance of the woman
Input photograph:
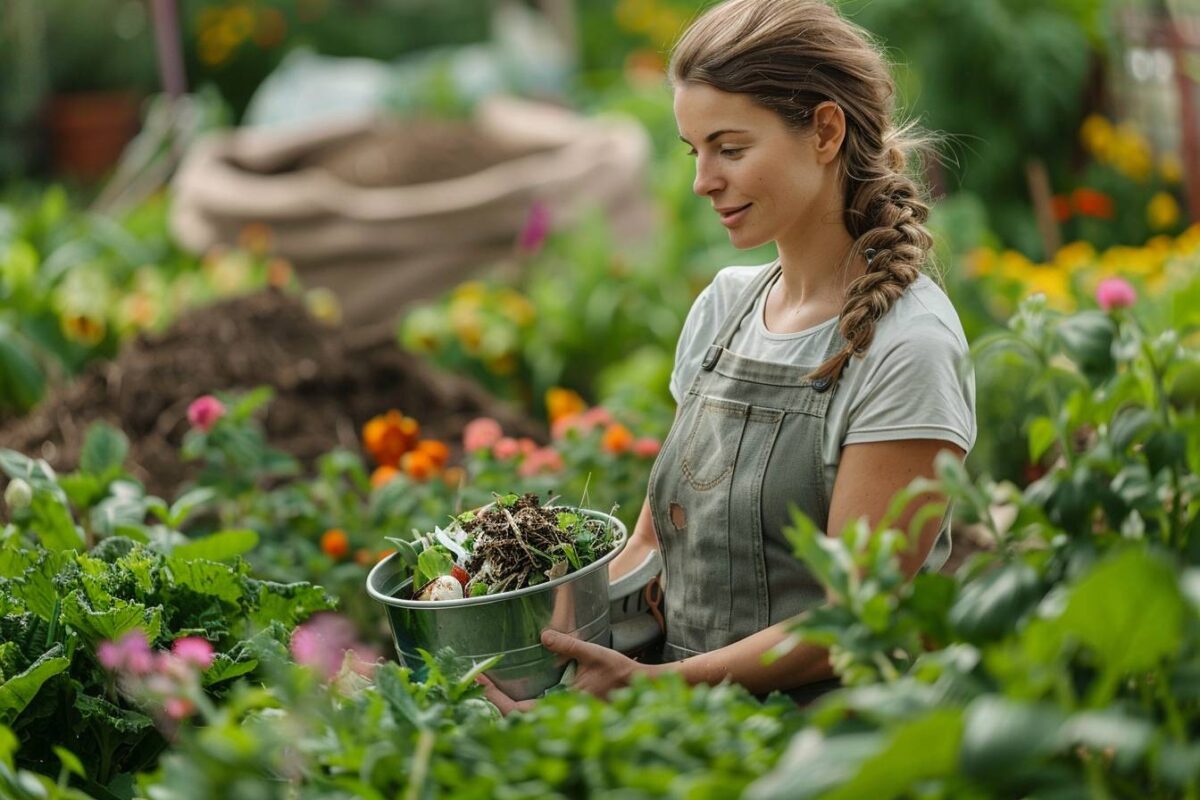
x,y
828,379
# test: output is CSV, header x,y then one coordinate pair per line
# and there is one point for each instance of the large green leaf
x,y
289,603
18,691
111,623
104,449
1128,610
1088,337
207,577
53,524
923,748
1002,736
815,764
990,607
21,381
219,546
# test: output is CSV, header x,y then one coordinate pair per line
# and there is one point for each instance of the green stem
x,y
420,767
1174,533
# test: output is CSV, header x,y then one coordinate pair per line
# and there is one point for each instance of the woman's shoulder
x,y
921,313
717,299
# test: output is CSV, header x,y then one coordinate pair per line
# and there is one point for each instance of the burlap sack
x,y
350,219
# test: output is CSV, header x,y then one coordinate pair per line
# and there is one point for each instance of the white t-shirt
x,y
914,382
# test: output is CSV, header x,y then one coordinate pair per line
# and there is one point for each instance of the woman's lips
x,y
734,216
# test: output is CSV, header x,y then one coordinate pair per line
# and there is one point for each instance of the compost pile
x,y
527,543
327,385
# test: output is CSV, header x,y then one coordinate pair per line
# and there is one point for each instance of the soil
x,y
327,382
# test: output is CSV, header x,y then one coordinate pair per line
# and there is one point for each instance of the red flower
x,y
1092,203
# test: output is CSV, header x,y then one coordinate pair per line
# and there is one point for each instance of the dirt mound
x,y
326,384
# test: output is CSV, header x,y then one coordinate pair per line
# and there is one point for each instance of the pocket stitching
x,y
720,408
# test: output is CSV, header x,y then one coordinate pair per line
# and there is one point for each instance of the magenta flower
x,y
204,412
129,654
481,434
537,228
194,650
1113,293
646,447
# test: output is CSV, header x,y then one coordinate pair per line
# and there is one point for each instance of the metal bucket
x,y
510,623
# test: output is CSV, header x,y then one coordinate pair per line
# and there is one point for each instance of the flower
x,y
480,434
617,439
1114,293
131,653
178,708
583,423
389,436
418,465
382,475
204,412
454,477
1092,203
322,644
437,451
255,238
18,494
543,459
537,228
335,543
646,447
563,403
194,650
1060,206
506,448
1163,211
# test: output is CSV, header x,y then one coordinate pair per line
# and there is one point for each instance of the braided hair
x,y
790,56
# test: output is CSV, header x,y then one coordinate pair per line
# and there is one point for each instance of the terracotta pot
x,y
89,130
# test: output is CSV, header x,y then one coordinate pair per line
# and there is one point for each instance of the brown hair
x,y
790,56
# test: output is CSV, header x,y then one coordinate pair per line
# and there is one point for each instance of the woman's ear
x,y
829,125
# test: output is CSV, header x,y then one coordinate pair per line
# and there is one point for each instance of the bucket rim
x,y
376,573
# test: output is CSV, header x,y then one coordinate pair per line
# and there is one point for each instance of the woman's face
x,y
766,181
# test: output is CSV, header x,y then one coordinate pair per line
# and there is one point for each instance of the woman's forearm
x,y
742,662
641,541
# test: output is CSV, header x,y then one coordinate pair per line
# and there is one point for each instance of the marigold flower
x,y
389,436
617,439
437,451
1114,293
418,465
335,543
364,557
480,434
1163,211
1092,203
382,475
454,477
506,448
646,447
563,403
204,412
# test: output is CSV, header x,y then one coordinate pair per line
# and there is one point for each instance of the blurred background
x,y
497,187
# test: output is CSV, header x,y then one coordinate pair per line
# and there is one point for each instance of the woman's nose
x,y
707,179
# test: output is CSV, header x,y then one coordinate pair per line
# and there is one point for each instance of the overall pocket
x,y
711,451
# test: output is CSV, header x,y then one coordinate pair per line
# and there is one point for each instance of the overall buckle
x,y
710,358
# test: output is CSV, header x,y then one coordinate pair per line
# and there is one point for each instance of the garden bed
x,y
327,384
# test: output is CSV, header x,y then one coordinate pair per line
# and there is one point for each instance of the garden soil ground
x,y
327,384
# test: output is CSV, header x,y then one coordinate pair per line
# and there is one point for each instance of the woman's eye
x,y
732,151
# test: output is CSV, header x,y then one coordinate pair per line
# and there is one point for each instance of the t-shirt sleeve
x,y
691,341
917,386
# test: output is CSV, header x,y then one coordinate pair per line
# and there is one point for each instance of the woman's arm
x,y
869,475
641,542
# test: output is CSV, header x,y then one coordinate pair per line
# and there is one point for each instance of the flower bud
x,y
18,495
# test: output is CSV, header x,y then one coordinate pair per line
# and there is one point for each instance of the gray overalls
x,y
746,443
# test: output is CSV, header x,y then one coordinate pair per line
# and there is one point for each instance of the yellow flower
x,y
562,403
982,261
84,329
517,307
469,292
1188,241
1163,211
1014,265
1096,134
1054,284
1075,255
1170,168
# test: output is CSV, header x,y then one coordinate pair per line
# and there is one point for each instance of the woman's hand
x,y
598,670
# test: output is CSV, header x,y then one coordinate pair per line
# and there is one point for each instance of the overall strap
x,y
743,306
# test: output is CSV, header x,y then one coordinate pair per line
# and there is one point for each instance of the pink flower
x,y
178,708
584,422
480,434
322,642
131,653
646,447
194,650
527,445
506,448
204,412
545,459
537,228
1113,293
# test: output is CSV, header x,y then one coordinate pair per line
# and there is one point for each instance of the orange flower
x,y
437,451
418,465
454,477
389,436
617,438
382,475
385,553
364,557
335,543
563,403
1092,203
279,272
